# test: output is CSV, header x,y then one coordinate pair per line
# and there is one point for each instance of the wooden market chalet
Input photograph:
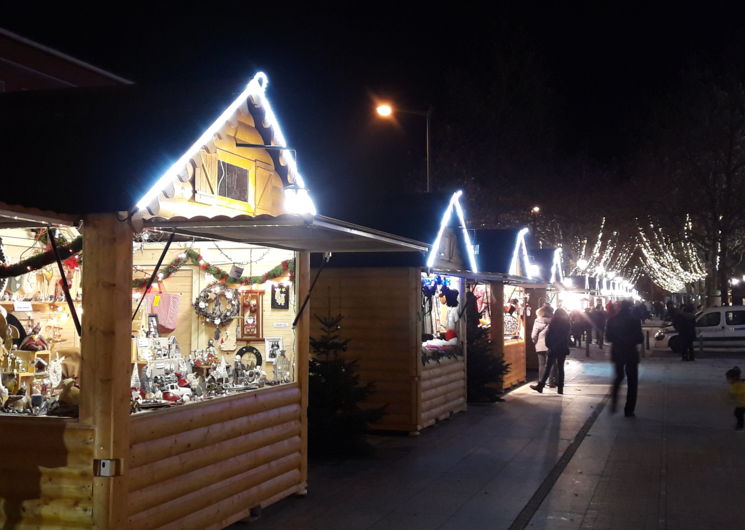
x,y
179,398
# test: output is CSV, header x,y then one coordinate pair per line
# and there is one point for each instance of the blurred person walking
x,y
684,323
599,318
624,332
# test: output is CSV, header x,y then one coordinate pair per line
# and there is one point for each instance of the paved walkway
x,y
546,461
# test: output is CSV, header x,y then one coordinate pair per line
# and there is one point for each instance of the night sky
x,y
602,70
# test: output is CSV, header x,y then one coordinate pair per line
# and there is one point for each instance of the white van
x,y
717,329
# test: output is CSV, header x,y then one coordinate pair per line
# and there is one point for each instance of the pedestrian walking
x,y
540,327
659,310
624,332
737,391
580,324
599,317
684,323
557,341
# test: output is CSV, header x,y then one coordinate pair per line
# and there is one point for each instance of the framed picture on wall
x,y
280,297
251,315
272,346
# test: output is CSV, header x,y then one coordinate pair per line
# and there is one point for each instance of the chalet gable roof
x,y
549,263
107,149
504,252
421,217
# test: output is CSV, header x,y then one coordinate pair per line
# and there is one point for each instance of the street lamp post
x,y
385,110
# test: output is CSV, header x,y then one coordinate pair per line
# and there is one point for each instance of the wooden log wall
x,y
442,390
514,353
206,465
46,473
380,308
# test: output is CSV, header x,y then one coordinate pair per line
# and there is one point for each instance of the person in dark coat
x,y
684,323
624,332
557,341
599,318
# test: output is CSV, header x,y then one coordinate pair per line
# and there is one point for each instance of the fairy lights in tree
x,y
670,264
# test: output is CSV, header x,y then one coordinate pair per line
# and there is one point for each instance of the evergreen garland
x,y
194,257
485,370
43,259
336,422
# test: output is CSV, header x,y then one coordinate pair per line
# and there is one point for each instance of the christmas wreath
x,y
217,304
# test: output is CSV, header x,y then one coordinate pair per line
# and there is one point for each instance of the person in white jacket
x,y
540,327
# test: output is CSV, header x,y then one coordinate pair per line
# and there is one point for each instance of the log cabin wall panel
x,y
46,473
215,460
514,354
376,305
443,390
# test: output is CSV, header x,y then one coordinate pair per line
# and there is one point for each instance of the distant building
x,y
28,65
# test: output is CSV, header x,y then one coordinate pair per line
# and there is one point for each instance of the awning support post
x,y
63,280
326,258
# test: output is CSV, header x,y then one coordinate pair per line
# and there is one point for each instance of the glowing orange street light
x,y
385,110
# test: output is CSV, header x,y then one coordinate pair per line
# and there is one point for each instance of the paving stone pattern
x,y
678,465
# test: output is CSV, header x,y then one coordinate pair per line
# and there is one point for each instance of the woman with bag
x,y
540,327
557,341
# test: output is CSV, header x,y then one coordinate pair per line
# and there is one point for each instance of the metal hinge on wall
x,y
107,467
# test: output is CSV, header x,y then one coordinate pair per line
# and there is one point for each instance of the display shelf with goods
x,y
189,332
237,442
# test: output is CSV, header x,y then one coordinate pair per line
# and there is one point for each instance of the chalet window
x,y
232,181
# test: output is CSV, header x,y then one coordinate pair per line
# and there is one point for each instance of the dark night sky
x,y
606,66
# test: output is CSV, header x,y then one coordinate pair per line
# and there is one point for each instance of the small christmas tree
x,y
485,370
336,423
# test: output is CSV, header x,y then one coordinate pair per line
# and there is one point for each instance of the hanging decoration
x,y
222,276
41,260
217,304
3,262
670,264
430,284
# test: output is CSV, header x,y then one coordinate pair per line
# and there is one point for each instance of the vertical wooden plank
x,y
415,311
496,302
105,350
302,277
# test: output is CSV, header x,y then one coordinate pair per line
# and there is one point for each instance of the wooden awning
x,y
291,232
14,216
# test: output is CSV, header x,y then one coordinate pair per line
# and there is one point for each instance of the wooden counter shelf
x,y
37,307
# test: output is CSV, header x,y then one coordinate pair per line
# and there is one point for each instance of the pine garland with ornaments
x,y
43,259
221,275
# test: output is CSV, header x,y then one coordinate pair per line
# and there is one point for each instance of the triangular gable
x,y
296,196
453,212
549,263
505,252
521,264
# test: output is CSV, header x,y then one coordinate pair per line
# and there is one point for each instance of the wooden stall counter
x,y
206,464
514,354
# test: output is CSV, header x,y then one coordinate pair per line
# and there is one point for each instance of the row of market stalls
x,y
164,379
